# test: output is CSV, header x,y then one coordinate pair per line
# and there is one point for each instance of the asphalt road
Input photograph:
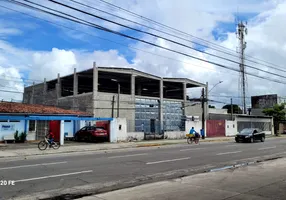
x,y
65,171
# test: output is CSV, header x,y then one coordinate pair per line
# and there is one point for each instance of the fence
x,y
264,126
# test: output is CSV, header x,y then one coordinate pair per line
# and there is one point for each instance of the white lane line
x,y
267,148
130,155
53,176
233,152
192,149
164,161
34,165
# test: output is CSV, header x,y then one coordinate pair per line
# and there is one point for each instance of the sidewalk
x,y
262,181
32,149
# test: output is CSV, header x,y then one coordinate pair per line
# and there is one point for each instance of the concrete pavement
x,y
92,172
263,181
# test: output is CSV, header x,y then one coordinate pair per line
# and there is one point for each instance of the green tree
x,y
278,114
236,108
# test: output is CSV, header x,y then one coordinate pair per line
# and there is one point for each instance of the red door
x,y
55,127
215,128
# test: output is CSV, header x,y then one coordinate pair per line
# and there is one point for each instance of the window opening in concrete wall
x,y
110,82
67,86
51,85
85,81
147,87
32,125
173,90
14,121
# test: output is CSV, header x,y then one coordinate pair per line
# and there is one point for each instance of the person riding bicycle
x,y
192,132
51,137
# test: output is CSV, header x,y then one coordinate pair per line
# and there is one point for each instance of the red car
x,y
91,133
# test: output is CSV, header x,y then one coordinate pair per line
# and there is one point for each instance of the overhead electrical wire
x,y
151,34
184,33
86,23
176,36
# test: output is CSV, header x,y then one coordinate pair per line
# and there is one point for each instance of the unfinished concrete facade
x,y
148,102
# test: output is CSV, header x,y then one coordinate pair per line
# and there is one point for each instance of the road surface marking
x,y
130,155
164,161
34,165
233,152
192,149
53,176
267,148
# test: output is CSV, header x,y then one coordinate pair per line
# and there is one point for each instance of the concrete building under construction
x,y
148,102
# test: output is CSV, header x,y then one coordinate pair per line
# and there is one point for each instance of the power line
x,y
205,46
151,34
86,23
179,31
66,27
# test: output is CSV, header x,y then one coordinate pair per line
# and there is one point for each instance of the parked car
x,y
91,133
250,135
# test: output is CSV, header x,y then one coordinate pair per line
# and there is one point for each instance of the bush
x,y
16,136
23,136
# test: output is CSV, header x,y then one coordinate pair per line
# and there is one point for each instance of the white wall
x,y
68,128
14,126
121,129
230,128
175,134
196,124
136,135
217,111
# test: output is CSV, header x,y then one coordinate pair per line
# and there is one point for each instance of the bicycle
x,y
191,139
42,145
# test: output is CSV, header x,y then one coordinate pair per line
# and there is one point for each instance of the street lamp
x,y
214,86
118,94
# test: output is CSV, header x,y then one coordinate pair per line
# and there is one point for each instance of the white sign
x,y
7,127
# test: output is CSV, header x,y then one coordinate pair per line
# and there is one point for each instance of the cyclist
x,y
192,132
51,137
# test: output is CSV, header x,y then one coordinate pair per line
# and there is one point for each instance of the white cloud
x,y
266,41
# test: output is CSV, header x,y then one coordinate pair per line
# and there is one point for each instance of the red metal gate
x,y
215,128
55,127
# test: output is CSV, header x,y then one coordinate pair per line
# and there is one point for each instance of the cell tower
x,y
241,32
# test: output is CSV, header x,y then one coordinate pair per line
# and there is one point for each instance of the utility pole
x,y
118,99
241,32
203,108
231,108
112,108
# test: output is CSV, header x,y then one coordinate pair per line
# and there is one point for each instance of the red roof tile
x,y
8,107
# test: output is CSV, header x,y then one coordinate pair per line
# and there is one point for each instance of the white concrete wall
x,y
175,134
121,129
68,128
230,128
136,135
196,124
217,111
14,126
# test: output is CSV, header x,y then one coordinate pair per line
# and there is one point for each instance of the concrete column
x,y
133,87
161,116
75,89
44,91
59,86
184,97
95,88
113,130
62,132
32,95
